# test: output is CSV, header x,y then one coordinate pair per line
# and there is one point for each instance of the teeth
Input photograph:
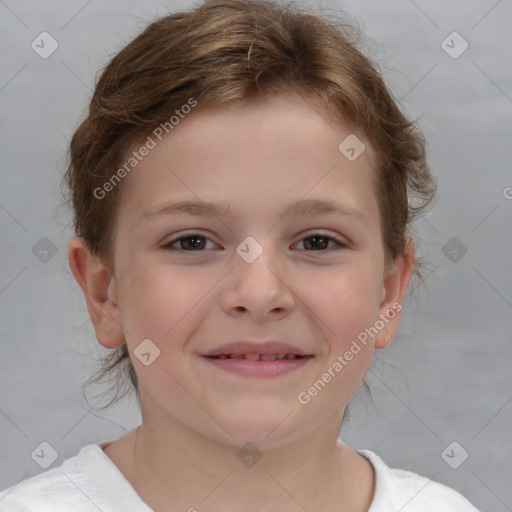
x,y
258,357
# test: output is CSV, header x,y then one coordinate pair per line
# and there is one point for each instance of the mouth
x,y
257,359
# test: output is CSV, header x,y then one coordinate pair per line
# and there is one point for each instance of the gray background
x,y
446,377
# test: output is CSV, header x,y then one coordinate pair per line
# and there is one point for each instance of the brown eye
x,y
191,243
319,242
196,242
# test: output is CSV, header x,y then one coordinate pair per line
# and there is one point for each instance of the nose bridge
x,y
259,261
258,285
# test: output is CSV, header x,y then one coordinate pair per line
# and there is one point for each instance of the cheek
x,y
346,302
346,313
159,305
160,300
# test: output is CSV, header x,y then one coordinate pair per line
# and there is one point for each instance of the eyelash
x,y
341,244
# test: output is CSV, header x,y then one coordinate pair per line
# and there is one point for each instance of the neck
x,y
178,465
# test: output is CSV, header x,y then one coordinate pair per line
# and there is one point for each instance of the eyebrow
x,y
301,207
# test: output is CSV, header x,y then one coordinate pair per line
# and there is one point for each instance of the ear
x,y
395,283
100,292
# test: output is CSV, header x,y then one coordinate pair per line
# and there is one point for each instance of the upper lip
x,y
262,348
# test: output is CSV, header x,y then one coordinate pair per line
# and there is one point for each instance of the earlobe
x,y
393,291
100,291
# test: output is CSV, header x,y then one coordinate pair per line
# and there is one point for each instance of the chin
x,y
266,426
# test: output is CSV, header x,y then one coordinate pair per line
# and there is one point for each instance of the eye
x,y
320,242
193,242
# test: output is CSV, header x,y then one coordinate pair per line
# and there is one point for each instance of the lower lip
x,y
258,368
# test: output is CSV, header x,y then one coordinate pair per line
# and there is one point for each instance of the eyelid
x,y
322,232
342,242
186,234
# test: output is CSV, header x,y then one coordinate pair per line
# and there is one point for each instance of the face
x,y
254,270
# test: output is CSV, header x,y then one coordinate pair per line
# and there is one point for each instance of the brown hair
x,y
226,51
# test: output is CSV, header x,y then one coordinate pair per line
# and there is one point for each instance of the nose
x,y
259,290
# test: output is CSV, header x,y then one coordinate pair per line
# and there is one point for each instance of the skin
x,y
272,151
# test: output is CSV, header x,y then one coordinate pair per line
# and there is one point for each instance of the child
x,y
240,190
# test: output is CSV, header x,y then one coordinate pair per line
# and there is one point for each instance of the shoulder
x,y
53,490
84,483
397,489
34,494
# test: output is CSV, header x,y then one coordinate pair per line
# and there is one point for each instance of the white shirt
x,y
91,482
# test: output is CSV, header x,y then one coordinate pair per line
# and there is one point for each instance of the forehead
x,y
275,149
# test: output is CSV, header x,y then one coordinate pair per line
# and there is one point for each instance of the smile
x,y
258,365
258,357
